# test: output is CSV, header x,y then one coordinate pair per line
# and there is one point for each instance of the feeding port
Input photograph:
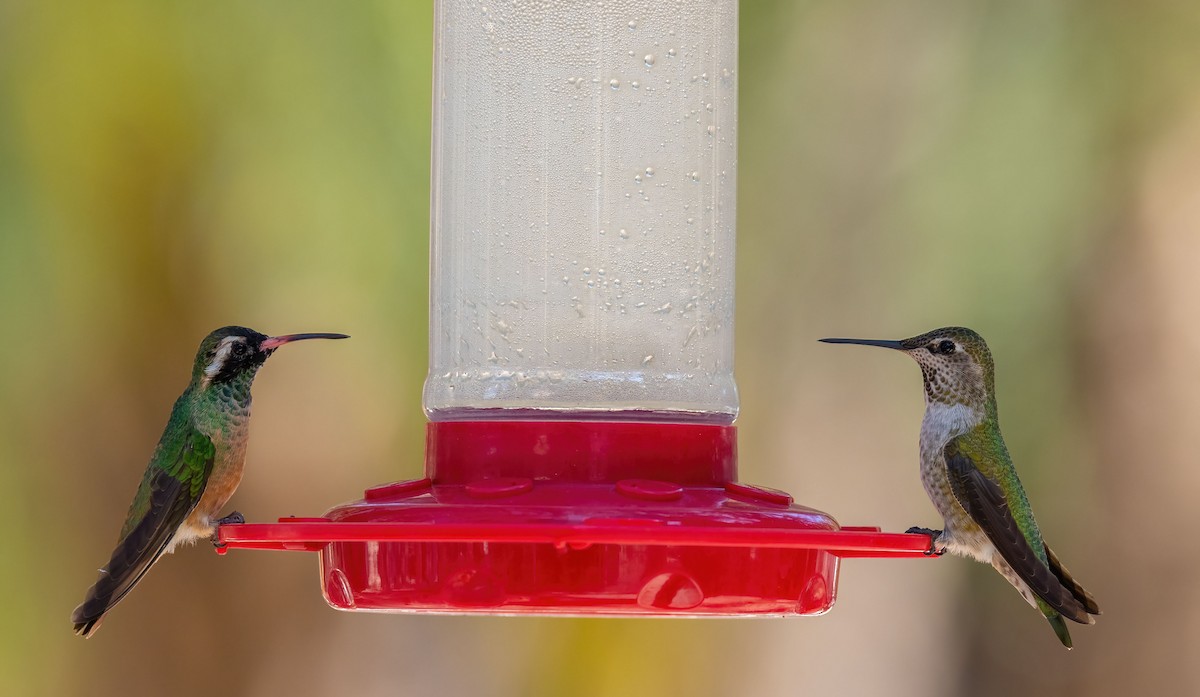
x,y
581,456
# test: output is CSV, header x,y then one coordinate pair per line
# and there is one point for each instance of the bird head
x,y
230,353
955,363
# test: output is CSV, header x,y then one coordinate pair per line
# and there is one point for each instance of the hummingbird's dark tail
x,y
116,579
1060,629
129,563
1077,591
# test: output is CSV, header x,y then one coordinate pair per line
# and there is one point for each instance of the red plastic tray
x,y
581,518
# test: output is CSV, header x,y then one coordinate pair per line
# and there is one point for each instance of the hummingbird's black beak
x,y
898,345
275,342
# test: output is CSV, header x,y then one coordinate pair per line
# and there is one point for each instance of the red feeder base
x,y
577,518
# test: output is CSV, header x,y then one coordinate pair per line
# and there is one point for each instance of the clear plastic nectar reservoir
x,y
584,183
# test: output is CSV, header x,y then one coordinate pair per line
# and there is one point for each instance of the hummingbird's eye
x,y
946,347
239,349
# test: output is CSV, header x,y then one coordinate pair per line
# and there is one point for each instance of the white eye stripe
x,y
222,354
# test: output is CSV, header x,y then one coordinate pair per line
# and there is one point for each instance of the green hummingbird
x,y
969,476
195,468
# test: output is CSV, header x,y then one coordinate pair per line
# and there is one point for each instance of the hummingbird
x,y
195,468
969,475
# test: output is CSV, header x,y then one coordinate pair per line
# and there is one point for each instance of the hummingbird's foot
x,y
933,551
234,518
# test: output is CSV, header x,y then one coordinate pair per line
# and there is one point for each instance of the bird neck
x,y
945,420
226,404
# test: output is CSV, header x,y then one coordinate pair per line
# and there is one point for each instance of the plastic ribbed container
x,y
584,192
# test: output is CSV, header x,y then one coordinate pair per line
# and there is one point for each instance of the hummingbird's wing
x,y
986,503
1077,590
172,487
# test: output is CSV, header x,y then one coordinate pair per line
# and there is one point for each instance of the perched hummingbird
x,y
970,477
195,468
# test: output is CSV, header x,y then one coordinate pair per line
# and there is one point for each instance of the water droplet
x,y
600,272
671,52
712,130
647,359
587,271
695,176
635,84
614,83
637,178
708,106
649,172
633,24
624,234
649,59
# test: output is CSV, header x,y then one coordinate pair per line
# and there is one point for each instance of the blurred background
x,y
1028,169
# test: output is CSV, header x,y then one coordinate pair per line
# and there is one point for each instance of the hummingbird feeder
x,y
581,455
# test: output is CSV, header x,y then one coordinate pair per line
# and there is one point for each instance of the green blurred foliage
x,y
170,167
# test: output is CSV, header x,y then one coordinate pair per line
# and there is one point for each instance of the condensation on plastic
x,y
584,176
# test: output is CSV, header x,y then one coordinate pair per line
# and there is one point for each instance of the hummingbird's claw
x,y
234,518
933,551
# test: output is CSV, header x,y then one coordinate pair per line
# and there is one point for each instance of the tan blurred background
x,y
1029,169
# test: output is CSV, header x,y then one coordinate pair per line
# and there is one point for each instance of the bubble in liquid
x,y
614,83
649,59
